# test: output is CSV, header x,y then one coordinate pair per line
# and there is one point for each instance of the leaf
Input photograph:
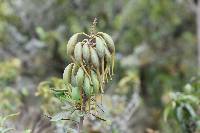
x,y
166,112
69,100
179,113
189,98
190,110
59,116
75,94
6,117
60,94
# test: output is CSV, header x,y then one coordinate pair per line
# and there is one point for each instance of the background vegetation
x,y
156,86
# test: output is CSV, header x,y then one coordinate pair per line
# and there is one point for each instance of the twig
x,y
100,108
98,117
64,119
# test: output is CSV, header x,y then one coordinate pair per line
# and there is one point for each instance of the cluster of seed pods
x,y
93,63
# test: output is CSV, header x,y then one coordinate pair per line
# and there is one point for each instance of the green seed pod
x,y
87,87
75,93
100,47
71,44
78,52
108,41
86,52
94,57
95,82
67,74
80,77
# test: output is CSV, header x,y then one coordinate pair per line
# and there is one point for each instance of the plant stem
x,y
81,124
80,129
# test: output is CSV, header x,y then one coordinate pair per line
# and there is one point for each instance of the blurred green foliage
x,y
49,103
9,70
3,128
184,107
8,103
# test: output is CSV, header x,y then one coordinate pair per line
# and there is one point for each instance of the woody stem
x,y
80,130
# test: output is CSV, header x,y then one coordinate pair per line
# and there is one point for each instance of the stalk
x,y
80,129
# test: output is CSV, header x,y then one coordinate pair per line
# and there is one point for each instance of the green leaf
x,y
6,117
190,110
179,113
189,98
166,112
75,94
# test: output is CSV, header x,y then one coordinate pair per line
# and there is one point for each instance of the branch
x,y
98,117
64,119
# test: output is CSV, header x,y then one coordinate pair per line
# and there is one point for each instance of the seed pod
x,y
100,79
108,41
95,82
78,52
67,74
74,71
80,77
80,63
100,47
86,52
113,62
71,44
102,70
94,57
103,47
108,57
78,56
87,87
75,93
110,45
69,87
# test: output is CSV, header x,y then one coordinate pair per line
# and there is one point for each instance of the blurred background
x,y
155,89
